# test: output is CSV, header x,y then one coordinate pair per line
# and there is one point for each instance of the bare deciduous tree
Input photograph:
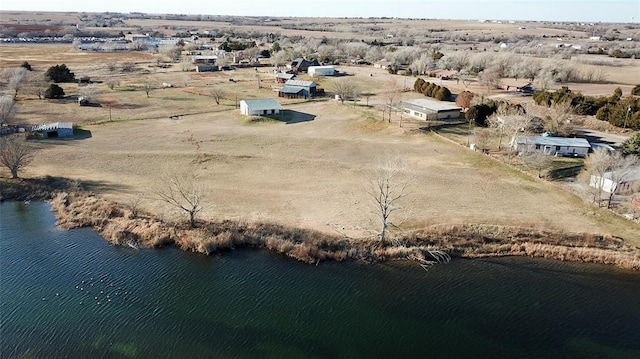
x,y
538,160
148,86
621,168
389,183
183,191
17,80
482,138
490,78
7,104
346,89
15,153
217,93
38,84
390,95
112,83
595,166
89,92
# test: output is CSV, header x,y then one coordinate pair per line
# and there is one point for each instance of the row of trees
x,y
438,92
619,111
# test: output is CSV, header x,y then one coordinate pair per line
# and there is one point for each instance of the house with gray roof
x,y
298,89
260,107
557,146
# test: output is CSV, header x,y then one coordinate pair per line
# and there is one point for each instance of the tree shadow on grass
x,y
44,187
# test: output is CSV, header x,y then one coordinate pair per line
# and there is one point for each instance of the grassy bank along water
x,y
75,207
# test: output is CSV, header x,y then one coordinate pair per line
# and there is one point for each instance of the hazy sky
x,y
560,10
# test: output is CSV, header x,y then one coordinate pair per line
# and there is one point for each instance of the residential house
x,y
557,146
301,64
261,107
204,59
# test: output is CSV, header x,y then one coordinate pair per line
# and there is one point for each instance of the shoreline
x,y
75,207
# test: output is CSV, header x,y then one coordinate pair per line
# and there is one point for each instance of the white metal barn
x,y
267,106
321,71
425,109
55,129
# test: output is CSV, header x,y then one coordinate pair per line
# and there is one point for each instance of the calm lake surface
x,y
69,294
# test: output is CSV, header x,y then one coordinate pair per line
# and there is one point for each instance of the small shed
x,y
261,107
629,182
204,59
557,146
282,77
322,71
207,68
425,109
54,130
298,89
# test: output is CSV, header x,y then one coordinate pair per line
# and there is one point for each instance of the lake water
x,y
69,294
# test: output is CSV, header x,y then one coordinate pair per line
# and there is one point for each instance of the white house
x,y
321,71
558,146
630,182
426,109
267,106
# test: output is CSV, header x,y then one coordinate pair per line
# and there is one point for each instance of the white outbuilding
x,y
426,109
261,107
321,71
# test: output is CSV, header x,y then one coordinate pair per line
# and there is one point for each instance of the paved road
x,y
601,137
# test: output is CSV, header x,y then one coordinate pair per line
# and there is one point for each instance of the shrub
x,y
60,73
54,91
26,66
636,90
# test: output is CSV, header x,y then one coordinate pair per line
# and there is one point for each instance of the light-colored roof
x,y
430,105
263,104
322,67
284,75
300,83
53,126
554,141
632,175
205,57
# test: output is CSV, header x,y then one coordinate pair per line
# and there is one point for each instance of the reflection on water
x,y
68,294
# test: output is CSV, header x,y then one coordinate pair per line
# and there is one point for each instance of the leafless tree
x,y
89,92
390,95
182,190
346,89
621,168
389,183
595,167
559,118
17,80
482,138
15,153
38,84
148,86
490,78
511,126
7,106
538,160
112,66
127,66
112,83
217,93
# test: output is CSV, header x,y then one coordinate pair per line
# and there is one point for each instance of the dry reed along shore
x,y
118,225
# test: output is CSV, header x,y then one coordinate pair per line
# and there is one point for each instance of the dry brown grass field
x,y
311,173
